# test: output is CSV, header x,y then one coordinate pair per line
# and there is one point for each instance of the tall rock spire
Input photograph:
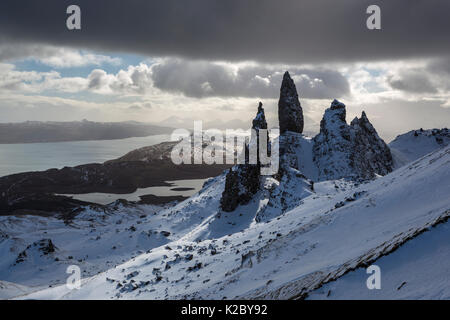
x,y
290,113
259,122
242,180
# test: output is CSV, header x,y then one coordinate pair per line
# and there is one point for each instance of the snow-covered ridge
x,y
414,144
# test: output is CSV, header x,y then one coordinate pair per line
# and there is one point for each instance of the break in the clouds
x,y
57,57
289,31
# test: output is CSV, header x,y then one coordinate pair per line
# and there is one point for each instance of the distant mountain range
x,y
36,131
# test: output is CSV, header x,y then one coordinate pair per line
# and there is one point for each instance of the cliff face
x,y
349,151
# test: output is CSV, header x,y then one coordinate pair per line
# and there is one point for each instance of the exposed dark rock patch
x,y
42,247
152,199
182,189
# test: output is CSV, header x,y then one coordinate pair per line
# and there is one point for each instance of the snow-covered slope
x,y
414,144
420,269
11,290
337,228
36,250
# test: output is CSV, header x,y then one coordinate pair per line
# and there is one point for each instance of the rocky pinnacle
x,y
290,113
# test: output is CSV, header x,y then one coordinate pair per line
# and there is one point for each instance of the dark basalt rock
x,y
242,181
371,155
290,113
259,122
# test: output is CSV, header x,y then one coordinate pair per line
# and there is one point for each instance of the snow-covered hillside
x,y
417,143
36,251
336,229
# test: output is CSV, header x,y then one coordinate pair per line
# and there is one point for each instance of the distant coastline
x,y
43,132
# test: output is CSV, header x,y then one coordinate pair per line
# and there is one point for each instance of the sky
x,y
178,61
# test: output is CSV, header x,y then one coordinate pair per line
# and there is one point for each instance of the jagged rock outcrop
x,y
352,151
242,181
290,113
349,151
371,154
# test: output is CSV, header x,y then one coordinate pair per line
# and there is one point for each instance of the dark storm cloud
x,y
202,79
289,31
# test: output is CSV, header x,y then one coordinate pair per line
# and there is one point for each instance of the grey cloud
x,y
15,51
434,77
135,107
97,79
205,79
290,31
140,106
440,66
417,81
